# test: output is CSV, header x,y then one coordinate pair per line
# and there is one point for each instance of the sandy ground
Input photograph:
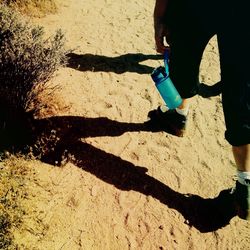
x,y
125,187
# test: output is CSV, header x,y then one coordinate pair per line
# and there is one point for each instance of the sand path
x,y
126,188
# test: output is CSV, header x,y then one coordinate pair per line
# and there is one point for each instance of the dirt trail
x,y
126,187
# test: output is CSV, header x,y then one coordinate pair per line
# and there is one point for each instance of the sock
x,y
182,111
243,178
164,108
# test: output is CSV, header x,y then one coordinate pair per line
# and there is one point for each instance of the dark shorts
x,y
192,24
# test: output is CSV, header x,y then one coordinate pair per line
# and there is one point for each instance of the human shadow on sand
x,y
119,64
206,215
128,63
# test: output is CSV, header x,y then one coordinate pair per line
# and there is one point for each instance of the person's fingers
x,y
161,36
159,45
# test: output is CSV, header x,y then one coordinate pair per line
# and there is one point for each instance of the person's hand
x,y
161,36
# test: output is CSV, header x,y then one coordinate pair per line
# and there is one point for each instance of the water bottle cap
x,y
158,74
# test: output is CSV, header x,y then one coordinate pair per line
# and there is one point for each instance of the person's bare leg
x,y
184,104
242,157
242,192
184,107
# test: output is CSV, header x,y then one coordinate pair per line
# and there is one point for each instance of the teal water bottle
x,y
165,86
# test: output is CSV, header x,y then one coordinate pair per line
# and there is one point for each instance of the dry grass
x,y
33,7
13,172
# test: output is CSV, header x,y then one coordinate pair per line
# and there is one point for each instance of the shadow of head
x,y
118,64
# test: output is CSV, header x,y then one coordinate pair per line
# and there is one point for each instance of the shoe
x,y
241,195
169,121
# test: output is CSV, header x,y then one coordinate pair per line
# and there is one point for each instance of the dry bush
x,y
26,58
32,7
27,62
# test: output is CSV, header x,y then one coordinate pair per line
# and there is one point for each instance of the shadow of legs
x,y
209,91
204,214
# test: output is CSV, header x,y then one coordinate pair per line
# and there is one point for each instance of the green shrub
x,y
27,59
